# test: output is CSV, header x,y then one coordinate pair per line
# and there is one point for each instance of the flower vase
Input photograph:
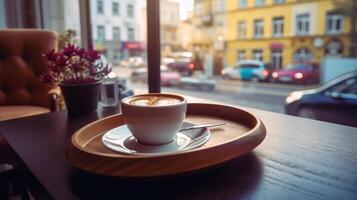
x,y
81,99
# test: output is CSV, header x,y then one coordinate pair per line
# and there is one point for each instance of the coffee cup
x,y
154,118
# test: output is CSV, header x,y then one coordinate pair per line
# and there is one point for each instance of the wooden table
x,y
299,159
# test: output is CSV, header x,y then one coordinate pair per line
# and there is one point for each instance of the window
x,y
100,7
278,26
259,2
242,3
116,33
258,28
302,24
303,55
279,1
131,34
241,55
249,66
218,5
346,87
334,24
100,33
258,54
115,8
277,58
242,30
130,10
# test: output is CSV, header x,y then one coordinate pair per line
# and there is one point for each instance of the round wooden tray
x,y
242,133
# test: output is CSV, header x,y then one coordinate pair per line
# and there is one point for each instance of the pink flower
x,y
74,65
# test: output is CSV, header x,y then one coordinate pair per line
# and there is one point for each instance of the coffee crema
x,y
153,100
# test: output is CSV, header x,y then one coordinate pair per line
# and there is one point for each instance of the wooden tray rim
x,y
259,124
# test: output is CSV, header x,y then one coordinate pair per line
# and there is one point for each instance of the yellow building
x,y
209,33
284,31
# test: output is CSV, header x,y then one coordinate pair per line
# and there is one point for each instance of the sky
x,y
185,6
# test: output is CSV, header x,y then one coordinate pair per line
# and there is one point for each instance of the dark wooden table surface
x,y
299,159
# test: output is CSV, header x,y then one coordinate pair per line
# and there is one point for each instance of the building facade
x,y
210,28
285,31
169,22
116,29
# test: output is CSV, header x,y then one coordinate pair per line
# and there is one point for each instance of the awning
x,y
276,46
132,45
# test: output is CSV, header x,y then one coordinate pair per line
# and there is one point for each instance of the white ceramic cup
x,y
154,124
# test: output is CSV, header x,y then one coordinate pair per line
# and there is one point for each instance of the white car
x,y
230,73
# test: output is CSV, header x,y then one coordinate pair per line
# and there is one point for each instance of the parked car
x,y
135,62
184,66
335,101
301,73
252,70
168,76
198,80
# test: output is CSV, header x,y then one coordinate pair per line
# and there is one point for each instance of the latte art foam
x,y
154,101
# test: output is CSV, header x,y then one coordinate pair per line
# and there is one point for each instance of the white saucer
x,y
121,140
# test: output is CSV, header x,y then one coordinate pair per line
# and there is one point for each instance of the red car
x,y
301,73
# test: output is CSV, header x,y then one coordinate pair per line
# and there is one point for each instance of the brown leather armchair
x,y
21,64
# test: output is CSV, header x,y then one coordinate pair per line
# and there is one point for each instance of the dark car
x,y
336,101
185,67
301,73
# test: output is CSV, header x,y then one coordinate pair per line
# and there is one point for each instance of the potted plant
x,y
78,73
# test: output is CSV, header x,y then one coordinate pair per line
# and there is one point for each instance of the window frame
x,y
99,34
259,3
304,19
241,29
116,31
241,5
257,51
130,11
278,27
101,10
278,1
241,52
117,13
334,18
258,28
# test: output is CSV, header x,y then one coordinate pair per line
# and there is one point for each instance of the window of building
x,y
242,30
131,34
100,33
130,10
279,1
115,8
219,5
303,55
259,2
116,33
258,54
241,55
258,28
242,3
302,24
278,26
277,58
334,24
100,7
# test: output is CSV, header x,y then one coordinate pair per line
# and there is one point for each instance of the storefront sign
x,y
132,45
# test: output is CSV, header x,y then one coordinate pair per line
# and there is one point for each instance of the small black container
x,y
81,99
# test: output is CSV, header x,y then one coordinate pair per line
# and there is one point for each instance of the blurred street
x,y
265,96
